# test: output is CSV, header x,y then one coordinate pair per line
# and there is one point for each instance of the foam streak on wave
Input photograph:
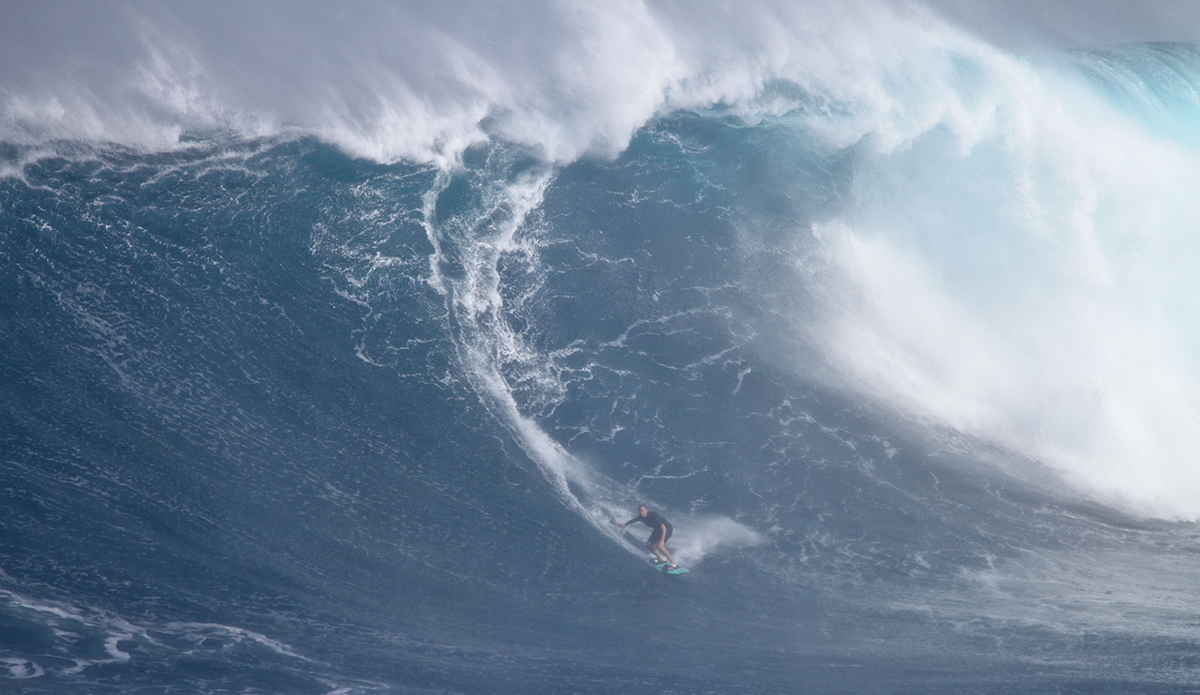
x,y
76,628
475,223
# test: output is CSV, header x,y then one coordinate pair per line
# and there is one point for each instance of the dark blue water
x,y
276,419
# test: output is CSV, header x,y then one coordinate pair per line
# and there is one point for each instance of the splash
x,y
1021,270
427,83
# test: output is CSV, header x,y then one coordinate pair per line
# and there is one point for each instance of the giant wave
x,y
336,342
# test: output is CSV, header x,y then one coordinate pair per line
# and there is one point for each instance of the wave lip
x,y
425,83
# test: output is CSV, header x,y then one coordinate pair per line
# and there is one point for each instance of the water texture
x,y
337,372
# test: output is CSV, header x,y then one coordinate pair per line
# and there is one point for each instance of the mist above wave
x,y
424,81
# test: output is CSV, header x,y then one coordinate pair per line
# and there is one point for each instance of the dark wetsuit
x,y
655,521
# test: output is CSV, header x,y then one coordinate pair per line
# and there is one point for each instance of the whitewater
x,y
337,342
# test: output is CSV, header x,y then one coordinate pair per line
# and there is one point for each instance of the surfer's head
x,y
643,509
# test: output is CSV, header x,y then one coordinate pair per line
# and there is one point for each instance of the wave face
x,y
344,387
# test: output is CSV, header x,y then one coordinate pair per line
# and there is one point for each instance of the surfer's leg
x,y
662,545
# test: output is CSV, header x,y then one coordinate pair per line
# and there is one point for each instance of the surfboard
x,y
662,567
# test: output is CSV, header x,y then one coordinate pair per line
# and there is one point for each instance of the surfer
x,y
658,536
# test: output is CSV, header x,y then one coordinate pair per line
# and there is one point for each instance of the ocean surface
x,y
331,365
